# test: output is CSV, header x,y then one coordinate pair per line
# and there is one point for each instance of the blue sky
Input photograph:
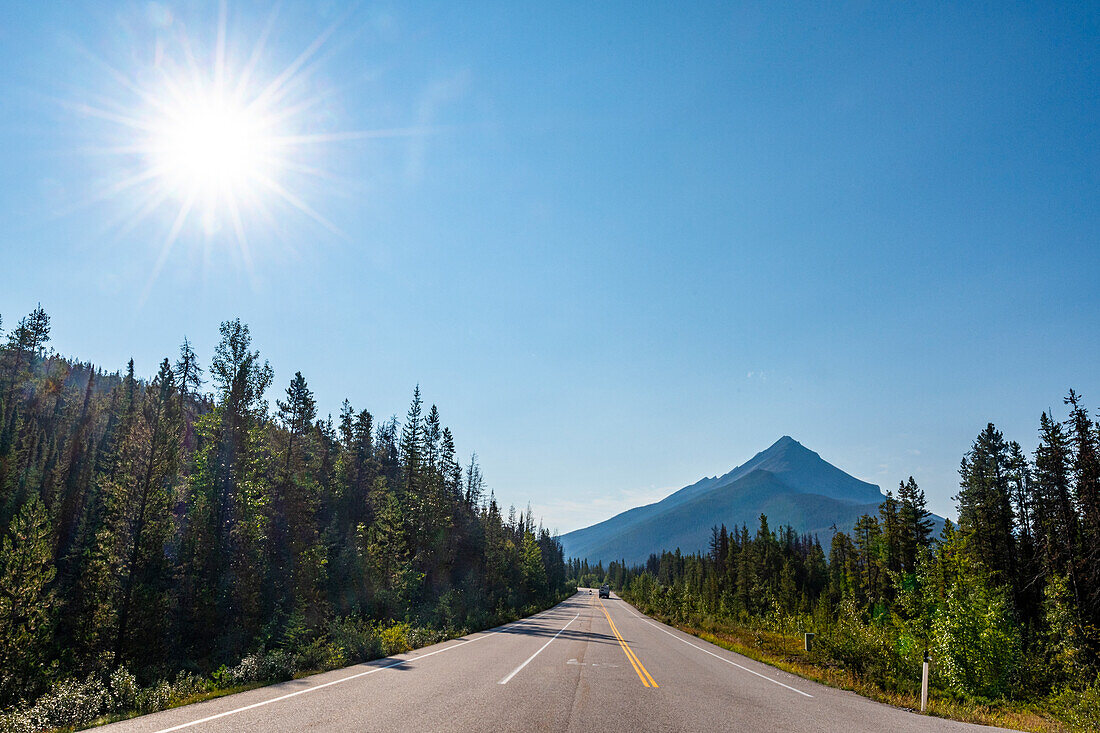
x,y
621,247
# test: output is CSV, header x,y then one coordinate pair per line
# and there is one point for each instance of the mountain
x,y
788,482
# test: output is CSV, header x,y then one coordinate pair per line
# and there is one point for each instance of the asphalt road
x,y
584,665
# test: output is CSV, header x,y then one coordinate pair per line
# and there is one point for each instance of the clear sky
x,y
622,247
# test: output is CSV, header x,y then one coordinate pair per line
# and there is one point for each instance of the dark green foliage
x,y
148,525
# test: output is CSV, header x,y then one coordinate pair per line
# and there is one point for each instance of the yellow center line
x,y
643,673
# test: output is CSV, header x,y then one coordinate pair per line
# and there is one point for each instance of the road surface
x,y
583,665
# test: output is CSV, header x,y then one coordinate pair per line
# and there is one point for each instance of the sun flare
x,y
213,150
210,142
203,136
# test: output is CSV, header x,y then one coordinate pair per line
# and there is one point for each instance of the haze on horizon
x,y
622,248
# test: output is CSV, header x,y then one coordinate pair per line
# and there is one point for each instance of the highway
x,y
583,665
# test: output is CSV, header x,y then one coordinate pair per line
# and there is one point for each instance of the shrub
x,y
1080,709
320,654
262,667
976,648
187,685
424,636
394,639
155,697
17,721
357,640
866,649
122,689
67,703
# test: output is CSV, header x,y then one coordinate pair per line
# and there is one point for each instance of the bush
x,y
187,685
1079,709
67,703
871,650
154,698
356,639
122,689
976,649
395,639
262,667
71,703
320,654
423,636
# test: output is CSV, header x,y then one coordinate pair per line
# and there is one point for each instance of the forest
x,y
1006,603
161,537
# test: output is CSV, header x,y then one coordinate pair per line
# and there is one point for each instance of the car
x,y
605,591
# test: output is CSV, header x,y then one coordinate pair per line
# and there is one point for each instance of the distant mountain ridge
x,y
788,482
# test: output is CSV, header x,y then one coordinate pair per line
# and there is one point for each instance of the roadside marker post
x,y
924,684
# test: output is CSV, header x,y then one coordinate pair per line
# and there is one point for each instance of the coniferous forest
x,y
161,536
1006,603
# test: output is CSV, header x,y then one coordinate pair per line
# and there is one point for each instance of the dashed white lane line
x,y
718,656
349,678
515,671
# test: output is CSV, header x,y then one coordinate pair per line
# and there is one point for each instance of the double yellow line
x,y
643,673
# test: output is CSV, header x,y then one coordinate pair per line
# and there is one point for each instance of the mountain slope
x,y
788,482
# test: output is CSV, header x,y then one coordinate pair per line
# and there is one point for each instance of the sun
x,y
213,149
211,137
207,139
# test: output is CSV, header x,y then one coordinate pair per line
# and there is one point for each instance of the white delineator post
x,y
924,686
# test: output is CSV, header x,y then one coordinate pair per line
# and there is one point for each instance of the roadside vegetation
x,y
1006,604
170,539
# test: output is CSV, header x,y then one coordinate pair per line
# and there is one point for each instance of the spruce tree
x,y
26,570
985,506
1085,441
916,525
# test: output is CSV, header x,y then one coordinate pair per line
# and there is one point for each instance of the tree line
x,y
1007,601
161,526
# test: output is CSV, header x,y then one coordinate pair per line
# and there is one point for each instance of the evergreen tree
x,y
131,543
25,599
296,562
1055,523
1085,441
985,505
915,523
188,372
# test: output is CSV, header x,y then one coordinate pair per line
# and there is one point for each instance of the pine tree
x,y
892,542
132,542
474,482
25,599
1055,523
1085,440
296,563
412,446
916,526
869,579
985,506
188,372
227,528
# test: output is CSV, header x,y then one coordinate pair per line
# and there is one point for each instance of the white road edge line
x,y
398,663
718,656
515,671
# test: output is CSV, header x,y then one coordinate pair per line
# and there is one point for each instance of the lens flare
x,y
214,150
208,136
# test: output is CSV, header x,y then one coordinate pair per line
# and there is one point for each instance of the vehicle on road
x,y
605,591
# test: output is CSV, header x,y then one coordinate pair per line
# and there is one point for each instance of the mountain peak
x,y
785,442
787,481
